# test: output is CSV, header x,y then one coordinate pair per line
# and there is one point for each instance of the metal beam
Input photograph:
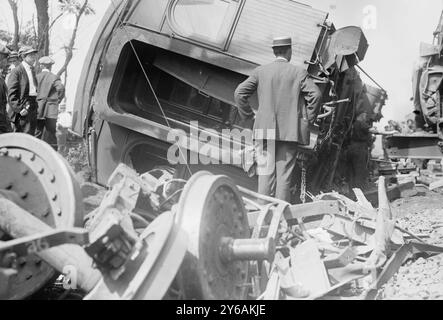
x,y
414,146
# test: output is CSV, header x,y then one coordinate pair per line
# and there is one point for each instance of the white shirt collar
x,y
281,59
44,69
32,86
26,65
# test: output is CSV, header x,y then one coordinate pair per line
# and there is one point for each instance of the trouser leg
x,y
266,167
46,130
286,155
50,132
359,160
40,129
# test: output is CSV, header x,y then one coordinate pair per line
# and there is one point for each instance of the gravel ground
x,y
421,279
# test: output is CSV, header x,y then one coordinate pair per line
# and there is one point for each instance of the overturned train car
x,y
155,66
427,78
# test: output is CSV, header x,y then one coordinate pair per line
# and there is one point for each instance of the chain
x,y
328,134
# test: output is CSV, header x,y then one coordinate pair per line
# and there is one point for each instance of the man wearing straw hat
x,y
22,85
288,102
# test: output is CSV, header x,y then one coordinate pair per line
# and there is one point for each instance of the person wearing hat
x,y
22,84
289,101
13,61
50,93
4,120
14,58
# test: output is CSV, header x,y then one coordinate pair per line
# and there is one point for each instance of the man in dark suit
x,y
4,121
22,85
288,103
50,93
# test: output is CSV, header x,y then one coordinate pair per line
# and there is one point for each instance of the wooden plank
x,y
345,227
341,259
308,269
394,192
361,200
301,211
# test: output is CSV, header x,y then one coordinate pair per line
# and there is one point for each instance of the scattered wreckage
x,y
158,237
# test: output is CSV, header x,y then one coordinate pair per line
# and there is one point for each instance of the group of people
x,y
29,101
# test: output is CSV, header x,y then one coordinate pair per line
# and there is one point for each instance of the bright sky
x,y
394,42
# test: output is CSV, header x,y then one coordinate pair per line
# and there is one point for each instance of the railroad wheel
x,y
48,190
209,209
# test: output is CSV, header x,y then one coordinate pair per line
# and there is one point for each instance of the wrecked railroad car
x,y
157,65
426,140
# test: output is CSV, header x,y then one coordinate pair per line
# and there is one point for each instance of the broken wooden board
x,y
393,192
345,227
361,231
308,269
351,206
341,259
342,276
300,211
361,200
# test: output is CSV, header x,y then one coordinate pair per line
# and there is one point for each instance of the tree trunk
x,y
43,27
16,39
70,47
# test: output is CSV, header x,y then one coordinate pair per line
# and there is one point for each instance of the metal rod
x,y
19,223
376,83
247,249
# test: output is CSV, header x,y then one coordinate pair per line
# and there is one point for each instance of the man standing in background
x,y
13,62
288,103
4,120
50,93
22,86
358,152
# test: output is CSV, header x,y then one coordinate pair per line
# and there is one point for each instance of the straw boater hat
x,y
24,51
282,42
13,54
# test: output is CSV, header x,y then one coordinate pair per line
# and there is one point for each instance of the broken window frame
x,y
228,26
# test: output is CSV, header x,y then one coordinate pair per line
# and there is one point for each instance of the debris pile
x,y
155,235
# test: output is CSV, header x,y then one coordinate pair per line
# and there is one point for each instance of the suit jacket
x,y
4,121
18,86
288,101
50,93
